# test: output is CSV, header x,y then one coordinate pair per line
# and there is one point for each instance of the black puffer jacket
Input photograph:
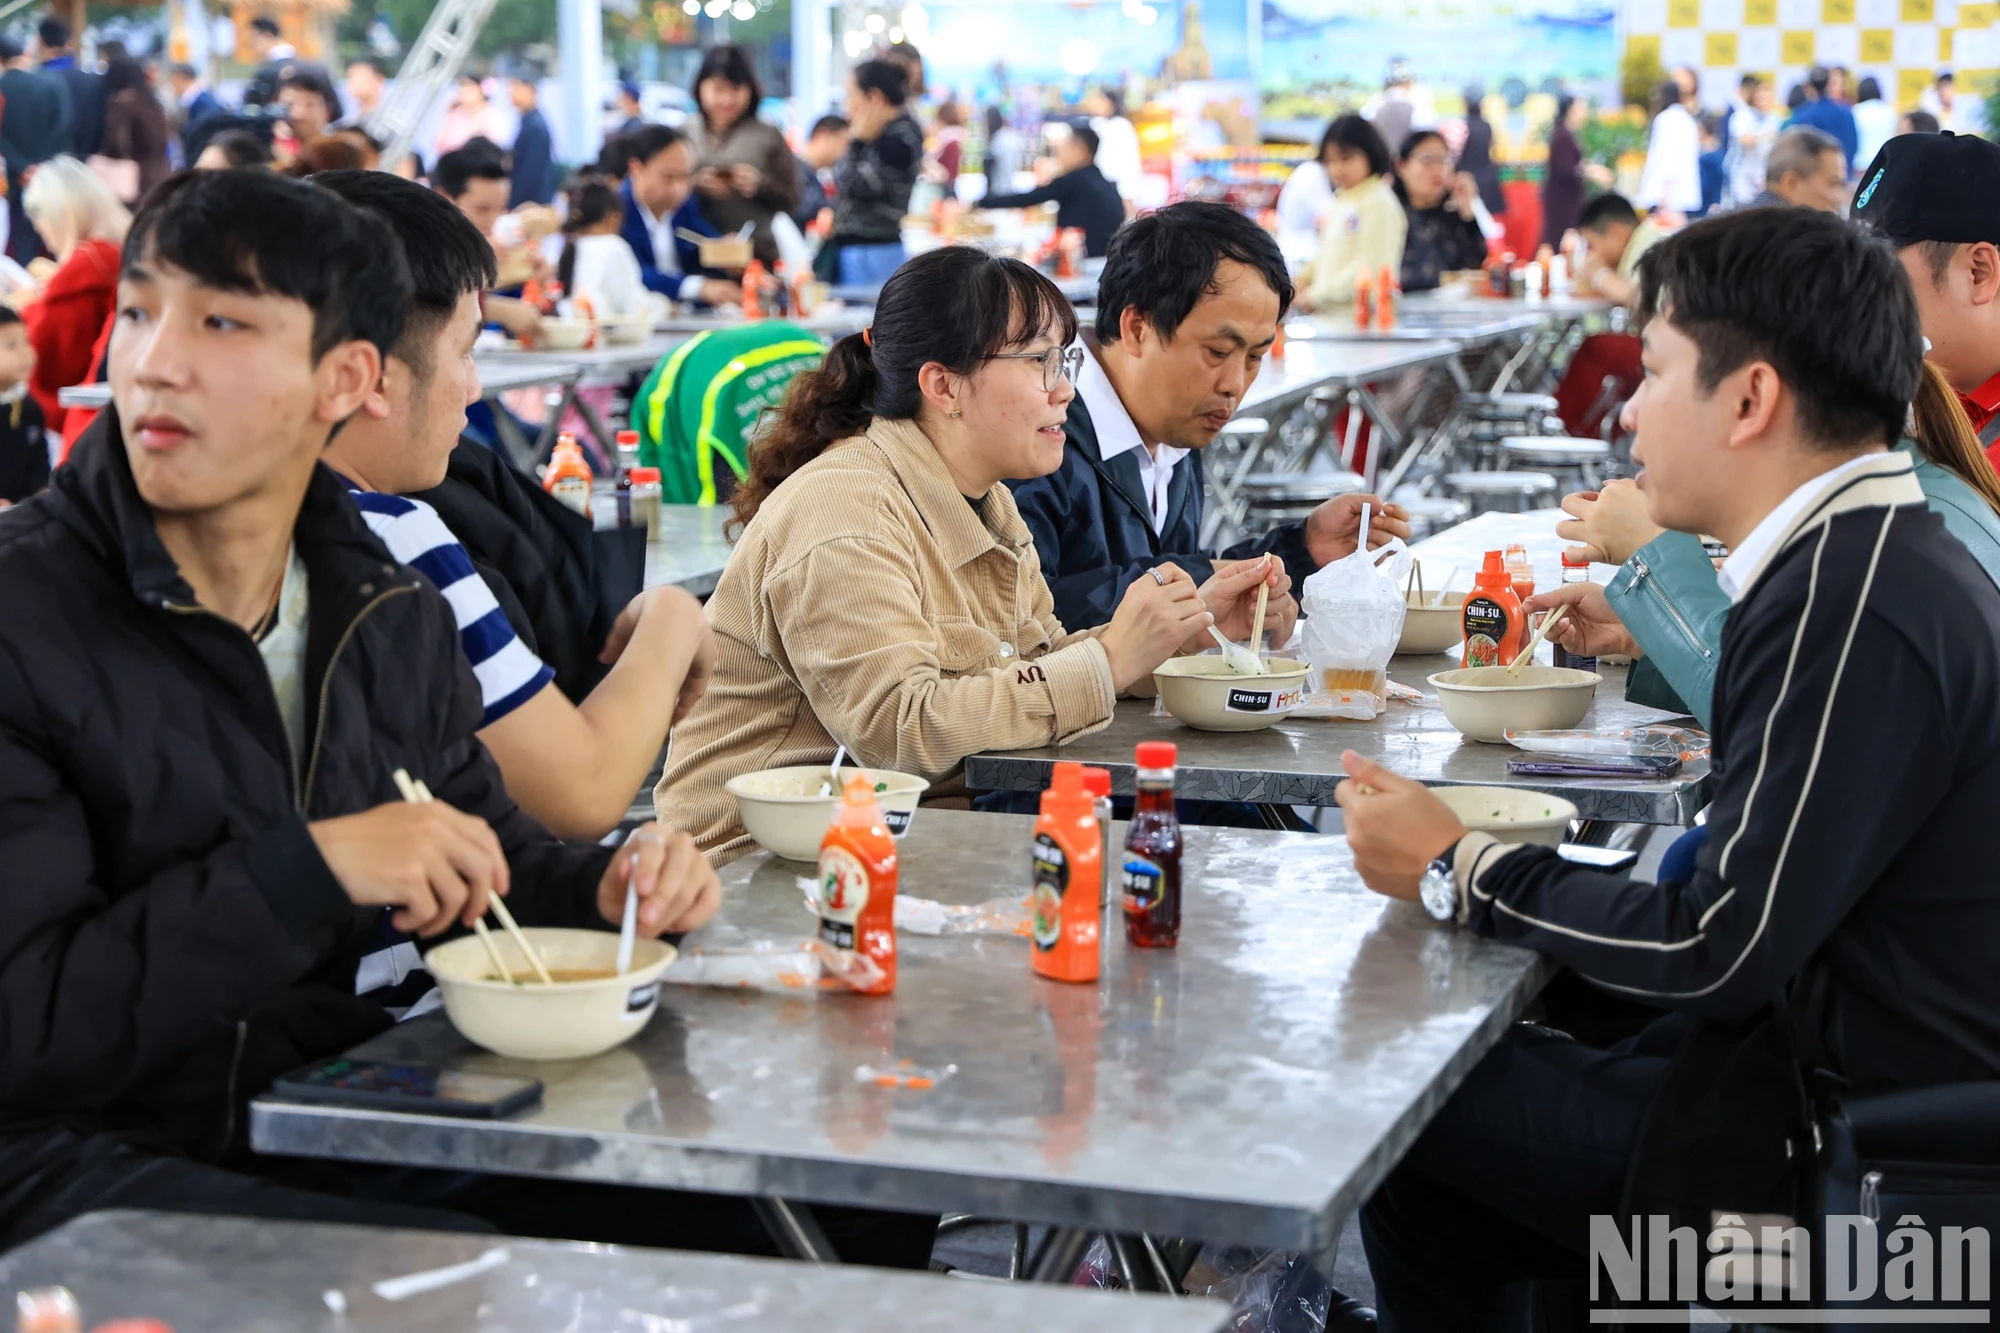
x,y
170,939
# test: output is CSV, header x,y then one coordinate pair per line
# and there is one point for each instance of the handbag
x,y
119,174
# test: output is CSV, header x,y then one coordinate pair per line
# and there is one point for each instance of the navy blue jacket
x,y
1094,530
634,231
534,161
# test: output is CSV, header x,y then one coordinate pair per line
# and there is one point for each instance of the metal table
x,y
692,550
1253,1085
831,320
1298,762
1469,324
240,1275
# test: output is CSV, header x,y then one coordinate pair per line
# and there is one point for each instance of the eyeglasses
x,y
1058,363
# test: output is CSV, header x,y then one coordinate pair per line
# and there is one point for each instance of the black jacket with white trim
x,y
1848,872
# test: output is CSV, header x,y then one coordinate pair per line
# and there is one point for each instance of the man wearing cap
x,y
1936,197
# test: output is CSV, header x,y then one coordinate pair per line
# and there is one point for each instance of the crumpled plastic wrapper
x,y
780,967
924,916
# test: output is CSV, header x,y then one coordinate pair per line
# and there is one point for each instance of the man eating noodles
x,y
1847,921
212,674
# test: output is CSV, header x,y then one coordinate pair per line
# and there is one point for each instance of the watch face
x,y
1439,894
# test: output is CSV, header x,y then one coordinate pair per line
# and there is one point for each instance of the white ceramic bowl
x,y
1430,626
1204,693
526,1020
563,335
626,330
783,810
1485,703
1510,814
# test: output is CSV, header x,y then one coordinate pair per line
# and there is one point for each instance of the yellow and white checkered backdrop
x,y
1903,43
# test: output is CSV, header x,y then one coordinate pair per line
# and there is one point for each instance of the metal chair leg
x,y
1057,1257
795,1230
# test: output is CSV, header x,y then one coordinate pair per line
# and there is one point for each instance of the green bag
x,y
705,398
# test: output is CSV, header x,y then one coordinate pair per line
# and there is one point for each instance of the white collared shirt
x,y
666,254
1737,575
1116,435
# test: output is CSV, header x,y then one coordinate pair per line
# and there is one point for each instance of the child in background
x,y
24,449
597,265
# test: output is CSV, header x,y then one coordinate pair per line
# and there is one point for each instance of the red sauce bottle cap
x,y
1157,754
1096,781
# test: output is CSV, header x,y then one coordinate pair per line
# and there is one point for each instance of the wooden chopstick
x,y
1548,623
414,790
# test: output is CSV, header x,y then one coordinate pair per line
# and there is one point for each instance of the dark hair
x,y
1114,96
1944,76
828,125
1668,94
591,201
1922,122
262,233
1819,77
1563,103
372,63
1796,98
313,79
1086,136
615,158
180,69
327,152
9,315
1412,141
1163,263
884,77
123,73
1799,149
54,33
1827,306
1607,210
1750,81
1870,90
1710,122
454,172
996,120
956,306
10,49
911,62
1356,135
649,141
1474,96
240,148
267,25
731,64
950,113
447,256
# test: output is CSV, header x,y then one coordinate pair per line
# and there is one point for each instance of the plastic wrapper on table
x,y
781,967
925,916
1353,615
1662,742
1267,1291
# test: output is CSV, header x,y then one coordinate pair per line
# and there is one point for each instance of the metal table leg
x,y
795,1230
1057,1257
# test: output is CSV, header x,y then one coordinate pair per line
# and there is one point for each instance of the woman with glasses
x,y
885,594
1442,208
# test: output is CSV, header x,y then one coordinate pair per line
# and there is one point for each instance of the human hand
x,y
1395,827
432,863
678,889
1334,529
684,621
1231,596
1592,628
721,291
1464,189
1160,611
712,182
1608,525
746,179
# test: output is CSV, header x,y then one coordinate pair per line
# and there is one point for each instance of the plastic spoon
x,y
1240,659
833,772
1548,623
1445,587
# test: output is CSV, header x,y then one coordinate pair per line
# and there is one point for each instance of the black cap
x,y
1932,187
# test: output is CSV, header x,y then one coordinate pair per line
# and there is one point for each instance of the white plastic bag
x,y
1353,617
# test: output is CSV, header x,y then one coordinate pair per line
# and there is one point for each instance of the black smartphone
x,y
1594,766
422,1089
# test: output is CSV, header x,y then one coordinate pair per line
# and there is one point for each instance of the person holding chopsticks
x,y
885,594
214,673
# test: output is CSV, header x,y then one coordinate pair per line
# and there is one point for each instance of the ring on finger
x,y
1158,577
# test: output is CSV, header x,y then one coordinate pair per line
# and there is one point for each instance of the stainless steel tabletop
x,y
1297,762
829,320
691,551
238,1275
611,361
1253,1085
1324,363
1470,325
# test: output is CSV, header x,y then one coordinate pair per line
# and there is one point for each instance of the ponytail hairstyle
x,y
954,306
1944,436
591,201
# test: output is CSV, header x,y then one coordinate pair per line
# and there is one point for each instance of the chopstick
x,y
1257,629
415,791
1548,623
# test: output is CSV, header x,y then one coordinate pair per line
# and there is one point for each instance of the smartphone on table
x,y
418,1089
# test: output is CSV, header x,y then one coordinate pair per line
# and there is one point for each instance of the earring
x,y
954,415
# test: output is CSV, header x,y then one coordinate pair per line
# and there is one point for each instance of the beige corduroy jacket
x,y
869,605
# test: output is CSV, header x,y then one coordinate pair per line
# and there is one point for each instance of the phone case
x,y
299,1087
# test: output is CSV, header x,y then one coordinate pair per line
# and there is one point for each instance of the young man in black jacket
x,y
1848,917
1187,308
1083,196
212,673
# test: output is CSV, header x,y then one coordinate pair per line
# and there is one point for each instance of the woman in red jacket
x,y
83,225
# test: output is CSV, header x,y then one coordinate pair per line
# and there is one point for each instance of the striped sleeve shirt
x,y
509,673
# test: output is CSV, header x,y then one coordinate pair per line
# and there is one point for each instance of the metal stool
x,y
1483,420
1288,497
1502,492
1432,514
1570,457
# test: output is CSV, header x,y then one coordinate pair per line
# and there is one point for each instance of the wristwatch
x,y
1439,889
